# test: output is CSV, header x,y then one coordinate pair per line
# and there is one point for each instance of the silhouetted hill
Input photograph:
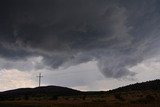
x,y
56,91
145,94
144,86
46,91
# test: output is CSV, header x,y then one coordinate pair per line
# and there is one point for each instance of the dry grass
x,y
129,99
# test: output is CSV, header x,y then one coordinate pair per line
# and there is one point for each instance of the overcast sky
x,y
81,44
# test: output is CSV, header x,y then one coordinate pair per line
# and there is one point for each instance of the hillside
x,y
144,86
146,94
46,91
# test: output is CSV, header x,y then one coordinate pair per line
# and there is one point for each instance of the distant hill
x,y
45,91
144,86
145,94
151,88
63,91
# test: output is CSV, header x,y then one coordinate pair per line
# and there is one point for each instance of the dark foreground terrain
x,y
145,94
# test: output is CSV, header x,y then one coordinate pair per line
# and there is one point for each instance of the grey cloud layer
x,y
116,34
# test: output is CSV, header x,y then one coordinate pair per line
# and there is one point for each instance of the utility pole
x,y
39,78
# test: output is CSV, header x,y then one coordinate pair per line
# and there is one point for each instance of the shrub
x,y
84,97
150,98
54,97
119,97
145,100
26,97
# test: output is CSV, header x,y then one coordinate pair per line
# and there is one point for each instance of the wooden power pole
x,y
39,79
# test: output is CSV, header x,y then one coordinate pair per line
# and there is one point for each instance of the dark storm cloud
x,y
117,34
